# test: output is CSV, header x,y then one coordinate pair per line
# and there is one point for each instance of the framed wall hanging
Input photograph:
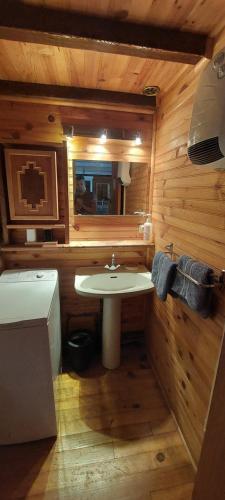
x,y
32,184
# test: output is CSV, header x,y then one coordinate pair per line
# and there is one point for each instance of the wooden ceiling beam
x,y
34,24
10,88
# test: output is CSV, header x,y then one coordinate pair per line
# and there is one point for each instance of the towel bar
x,y
217,280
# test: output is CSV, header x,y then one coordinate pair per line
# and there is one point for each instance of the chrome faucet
x,y
113,266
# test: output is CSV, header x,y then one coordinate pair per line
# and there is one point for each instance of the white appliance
x,y
124,173
206,142
30,354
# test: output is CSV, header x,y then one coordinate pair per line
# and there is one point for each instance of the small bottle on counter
x,y
147,228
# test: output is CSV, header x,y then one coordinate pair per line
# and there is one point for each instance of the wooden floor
x,y
117,440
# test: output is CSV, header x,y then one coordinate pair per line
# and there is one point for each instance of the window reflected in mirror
x,y
110,188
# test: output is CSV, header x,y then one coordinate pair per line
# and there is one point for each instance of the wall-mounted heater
x,y
206,142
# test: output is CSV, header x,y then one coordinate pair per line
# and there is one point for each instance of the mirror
x,y
110,188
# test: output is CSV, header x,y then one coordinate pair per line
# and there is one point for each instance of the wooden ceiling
x,y
57,65
28,62
203,16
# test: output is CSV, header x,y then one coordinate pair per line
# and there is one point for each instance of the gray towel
x,y
197,298
163,271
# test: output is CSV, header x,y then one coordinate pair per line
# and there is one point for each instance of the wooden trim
x,y
8,88
152,162
114,150
3,215
75,103
210,480
34,24
66,192
114,219
78,244
35,226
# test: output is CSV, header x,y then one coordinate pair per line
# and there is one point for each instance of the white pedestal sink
x,y
112,286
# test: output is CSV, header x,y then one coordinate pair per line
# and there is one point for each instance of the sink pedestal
x,y
112,287
111,328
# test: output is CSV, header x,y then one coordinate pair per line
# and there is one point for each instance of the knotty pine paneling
x,y
79,68
110,119
137,193
86,148
110,227
90,69
188,14
66,260
188,210
41,125
29,123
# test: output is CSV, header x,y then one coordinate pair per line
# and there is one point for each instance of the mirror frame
x,y
88,148
134,199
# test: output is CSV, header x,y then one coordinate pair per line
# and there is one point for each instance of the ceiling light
x,y
151,90
103,137
138,140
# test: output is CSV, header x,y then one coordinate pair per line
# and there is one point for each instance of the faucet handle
x,y
113,266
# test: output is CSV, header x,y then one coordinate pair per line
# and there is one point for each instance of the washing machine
x,y
30,354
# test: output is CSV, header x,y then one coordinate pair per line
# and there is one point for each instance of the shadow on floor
x,y
121,403
21,465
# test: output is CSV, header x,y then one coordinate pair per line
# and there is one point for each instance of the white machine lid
x,y
14,276
25,303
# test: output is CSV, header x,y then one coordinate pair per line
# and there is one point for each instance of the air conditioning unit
x,y
206,144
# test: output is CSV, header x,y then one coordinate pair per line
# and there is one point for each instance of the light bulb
x,y
103,138
138,140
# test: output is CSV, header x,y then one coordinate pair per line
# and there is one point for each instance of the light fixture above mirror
x,y
102,134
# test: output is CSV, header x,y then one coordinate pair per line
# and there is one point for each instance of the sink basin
x,y
112,287
98,282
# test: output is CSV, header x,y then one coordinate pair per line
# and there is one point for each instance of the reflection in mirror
x,y
110,188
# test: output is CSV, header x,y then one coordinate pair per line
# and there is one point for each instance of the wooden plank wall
x,y
66,260
109,117
110,227
137,193
188,210
41,124
29,123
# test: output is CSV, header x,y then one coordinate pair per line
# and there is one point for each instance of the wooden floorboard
x,y
116,439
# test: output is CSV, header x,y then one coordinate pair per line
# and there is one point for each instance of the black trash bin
x,y
80,349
